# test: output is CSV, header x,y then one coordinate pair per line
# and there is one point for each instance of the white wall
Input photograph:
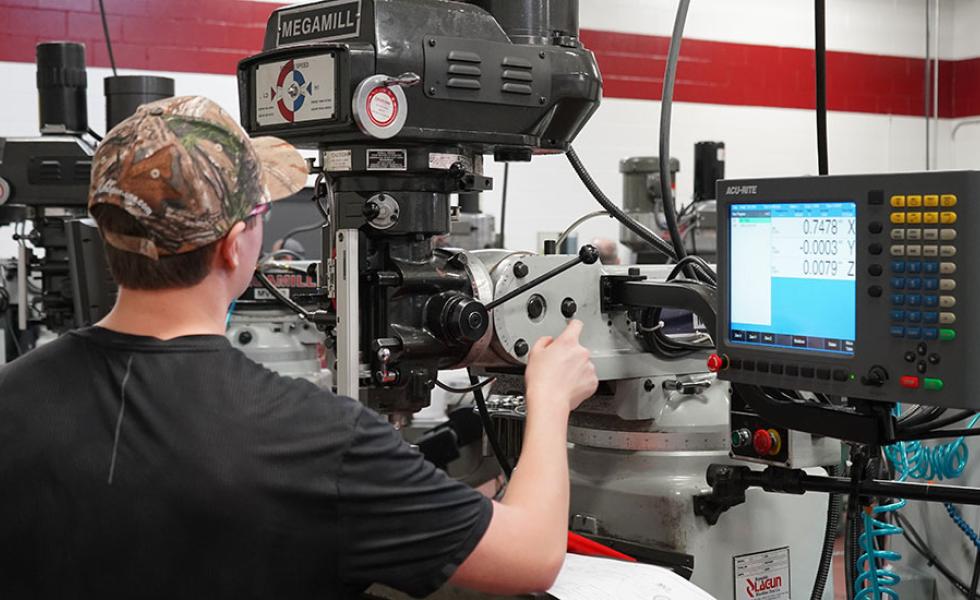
x,y
545,195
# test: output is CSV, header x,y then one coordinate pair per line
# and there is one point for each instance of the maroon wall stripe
x,y
211,36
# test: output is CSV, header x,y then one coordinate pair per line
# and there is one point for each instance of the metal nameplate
x,y
323,21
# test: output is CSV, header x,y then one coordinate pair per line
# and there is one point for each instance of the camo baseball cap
x,y
186,171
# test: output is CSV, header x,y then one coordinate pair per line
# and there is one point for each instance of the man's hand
x,y
560,370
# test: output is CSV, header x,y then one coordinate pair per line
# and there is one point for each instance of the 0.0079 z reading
x,y
820,247
825,267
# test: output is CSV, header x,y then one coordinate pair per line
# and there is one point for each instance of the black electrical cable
x,y
264,280
820,26
975,582
935,424
108,42
666,103
92,133
629,222
503,205
834,505
298,230
464,390
914,539
488,428
937,435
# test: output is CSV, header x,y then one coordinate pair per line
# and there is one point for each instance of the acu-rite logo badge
x,y
323,21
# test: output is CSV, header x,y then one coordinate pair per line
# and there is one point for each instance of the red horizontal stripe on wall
x,y
211,36
632,66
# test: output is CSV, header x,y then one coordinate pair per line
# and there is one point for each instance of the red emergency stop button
x,y
762,442
909,381
717,363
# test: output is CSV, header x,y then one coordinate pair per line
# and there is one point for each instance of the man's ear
x,y
229,248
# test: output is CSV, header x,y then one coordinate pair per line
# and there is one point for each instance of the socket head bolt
x,y
521,348
245,338
520,270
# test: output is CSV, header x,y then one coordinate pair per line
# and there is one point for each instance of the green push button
x,y
933,384
947,335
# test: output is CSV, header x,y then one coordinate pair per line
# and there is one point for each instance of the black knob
x,y
589,254
876,377
874,270
521,348
535,306
568,308
875,248
371,210
520,270
875,291
467,320
875,227
245,338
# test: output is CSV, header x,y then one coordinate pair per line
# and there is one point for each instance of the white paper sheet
x,y
590,578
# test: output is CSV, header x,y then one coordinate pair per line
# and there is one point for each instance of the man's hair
x,y
138,272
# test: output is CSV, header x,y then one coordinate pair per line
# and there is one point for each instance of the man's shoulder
x,y
58,353
295,394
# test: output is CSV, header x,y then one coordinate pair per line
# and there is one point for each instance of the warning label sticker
x,y
762,575
387,160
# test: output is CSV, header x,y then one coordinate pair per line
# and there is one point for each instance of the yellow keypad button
x,y
930,201
898,218
931,217
898,201
913,201
913,218
947,218
948,200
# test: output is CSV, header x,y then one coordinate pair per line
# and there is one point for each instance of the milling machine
x,y
402,100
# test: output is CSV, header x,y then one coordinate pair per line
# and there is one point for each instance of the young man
x,y
146,458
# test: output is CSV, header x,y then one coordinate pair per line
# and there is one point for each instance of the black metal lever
x,y
587,254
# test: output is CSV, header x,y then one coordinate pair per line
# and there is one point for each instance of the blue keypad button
x,y
914,316
898,331
914,299
930,333
898,299
913,333
898,283
915,266
930,317
898,266
914,283
930,267
898,316
930,283
932,301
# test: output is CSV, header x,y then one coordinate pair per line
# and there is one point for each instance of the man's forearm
x,y
539,485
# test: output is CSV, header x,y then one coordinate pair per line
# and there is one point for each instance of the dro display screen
x,y
792,276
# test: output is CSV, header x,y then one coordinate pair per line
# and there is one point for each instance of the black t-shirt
x,y
132,467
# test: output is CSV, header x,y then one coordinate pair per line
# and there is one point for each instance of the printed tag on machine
x,y
762,575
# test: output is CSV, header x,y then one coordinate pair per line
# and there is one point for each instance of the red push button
x,y
762,442
717,363
909,381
